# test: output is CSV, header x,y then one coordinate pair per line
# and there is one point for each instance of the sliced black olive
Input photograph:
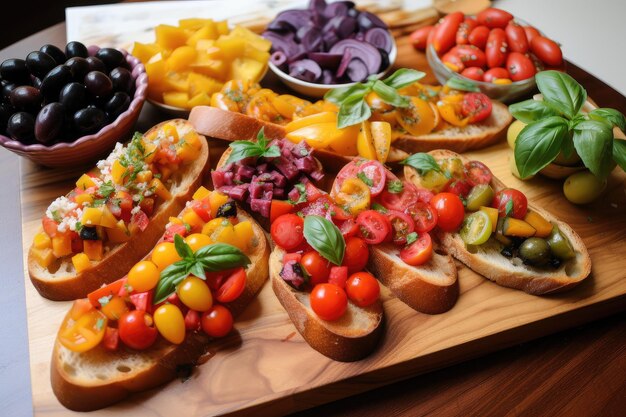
x,y
507,251
228,209
88,233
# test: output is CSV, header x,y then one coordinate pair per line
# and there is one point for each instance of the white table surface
x,y
592,35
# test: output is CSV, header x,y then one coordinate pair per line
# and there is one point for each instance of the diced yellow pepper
x,y
83,198
244,233
92,216
159,189
144,176
206,32
256,54
156,68
176,99
175,220
200,99
194,22
192,219
150,152
214,226
42,241
227,234
145,51
198,83
93,249
365,142
517,227
181,58
215,68
170,132
176,81
170,37
107,220
81,262
222,27
44,257
84,182
119,233
118,172
381,134
61,245
231,47
201,193
247,69
324,117
252,38
542,226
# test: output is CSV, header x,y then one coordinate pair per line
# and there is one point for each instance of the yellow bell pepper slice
x,y
365,142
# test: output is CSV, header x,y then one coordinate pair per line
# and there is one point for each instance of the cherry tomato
x,y
348,171
170,323
520,66
82,330
477,173
531,33
458,187
363,289
202,209
174,229
356,254
401,225
547,50
518,206
516,38
445,34
497,73
373,171
473,73
287,231
494,18
496,48
470,55
192,320
197,241
418,252
143,276
195,294
234,285
478,36
423,215
373,226
349,228
354,195
137,329
453,62
278,208
419,37
328,301
316,266
398,201
115,308
218,321
424,195
450,211
476,106
465,28
164,254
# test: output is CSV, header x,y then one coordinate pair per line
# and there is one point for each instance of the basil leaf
x,y
538,144
352,112
390,95
619,152
339,95
531,110
462,84
197,269
561,91
379,207
260,137
594,143
403,77
325,238
411,237
567,147
221,256
612,116
243,149
169,279
508,208
271,152
366,180
422,162
183,249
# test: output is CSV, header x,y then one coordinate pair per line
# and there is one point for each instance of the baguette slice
x,y
488,261
352,337
98,378
462,139
65,283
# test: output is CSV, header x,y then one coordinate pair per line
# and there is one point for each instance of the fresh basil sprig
x,y
556,125
422,162
353,108
211,258
462,84
325,238
242,149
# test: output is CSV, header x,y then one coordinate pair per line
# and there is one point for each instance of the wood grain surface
x,y
268,368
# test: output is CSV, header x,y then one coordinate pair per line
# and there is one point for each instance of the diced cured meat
x,y
236,192
292,274
261,206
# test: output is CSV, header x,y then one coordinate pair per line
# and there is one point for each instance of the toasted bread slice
x,y
98,378
352,337
512,273
63,283
462,139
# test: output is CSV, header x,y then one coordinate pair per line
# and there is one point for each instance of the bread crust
x,y
70,285
494,266
351,338
159,364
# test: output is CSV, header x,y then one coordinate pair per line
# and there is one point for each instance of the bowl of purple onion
x,y
327,46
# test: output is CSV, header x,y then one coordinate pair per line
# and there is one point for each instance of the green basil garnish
x,y
562,92
593,141
325,238
395,186
610,116
380,208
411,237
619,152
422,162
538,144
462,84
366,180
529,111
242,149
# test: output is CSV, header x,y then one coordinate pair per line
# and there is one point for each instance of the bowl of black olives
x,y
61,107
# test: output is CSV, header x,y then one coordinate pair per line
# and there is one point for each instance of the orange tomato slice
x,y
417,119
80,333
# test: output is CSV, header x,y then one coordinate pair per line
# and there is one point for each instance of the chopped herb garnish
x,y
100,324
105,300
411,237
395,186
56,216
187,227
508,208
106,189
379,207
368,181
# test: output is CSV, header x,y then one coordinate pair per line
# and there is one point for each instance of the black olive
x,y
75,48
7,89
49,122
111,57
5,113
88,233
96,64
89,120
122,80
507,251
79,67
98,83
21,126
554,262
52,84
73,97
54,52
15,71
37,83
228,209
117,105
26,98
40,63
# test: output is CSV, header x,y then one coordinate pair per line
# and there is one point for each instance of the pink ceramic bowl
x,y
91,147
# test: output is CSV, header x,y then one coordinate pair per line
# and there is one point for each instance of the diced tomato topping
x,y
192,320
349,228
142,300
111,339
174,229
106,291
292,257
147,206
338,276
49,226
202,209
140,220
278,208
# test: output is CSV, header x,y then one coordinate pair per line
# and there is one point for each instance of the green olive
x,y
480,195
559,245
514,169
535,251
513,132
583,187
561,159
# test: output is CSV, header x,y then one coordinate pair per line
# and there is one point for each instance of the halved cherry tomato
x,y
328,301
398,201
516,38
547,50
418,252
476,106
473,73
363,289
518,207
49,226
140,220
354,195
445,34
136,329
450,211
218,321
496,48
419,37
470,55
478,36
338,276
520,67
424,195
465,28
202,209
233,287
531,33
497,73
174,229
373,226
356,254
287,231
278,208
423,215
192,320
477,173
108,291
453,61
458,187
142,300
84,332
349,228
373,171
401,225
316,266
418,118
494,18
348,171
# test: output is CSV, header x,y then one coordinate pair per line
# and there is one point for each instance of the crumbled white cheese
x,y
135,210
60,207
148,193
104,165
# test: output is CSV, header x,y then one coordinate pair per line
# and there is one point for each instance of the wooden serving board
x,y
266,367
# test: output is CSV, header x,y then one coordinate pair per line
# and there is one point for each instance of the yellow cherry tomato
x,y
197,241
114,308
417,119
144,276
195,294
170,323
80,333
164,254
261,107
374,101
354,196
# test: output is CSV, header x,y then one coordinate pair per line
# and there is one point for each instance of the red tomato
x,y
450,211
296,257
217,322
312,192
520,66
547,50
111,339
363,289
401,225
202,208
496,73
106,291
458,187
423,215
136,329
531,33
477,173
348,171
328,301
373,226
398,201
516,38
445,34
174,229
473,73
519,206
338,213
49,226
287,231
465,28
316,266
142,300
418,252
338,276
192,320
424,195
478,36
496,48
476,106
453,61
375,172
494,18
470,55
147,206
431,35
419,37
349,228
140,220
356,255
278,208
233,287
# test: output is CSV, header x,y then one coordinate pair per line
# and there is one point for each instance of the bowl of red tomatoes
x,y
493,50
